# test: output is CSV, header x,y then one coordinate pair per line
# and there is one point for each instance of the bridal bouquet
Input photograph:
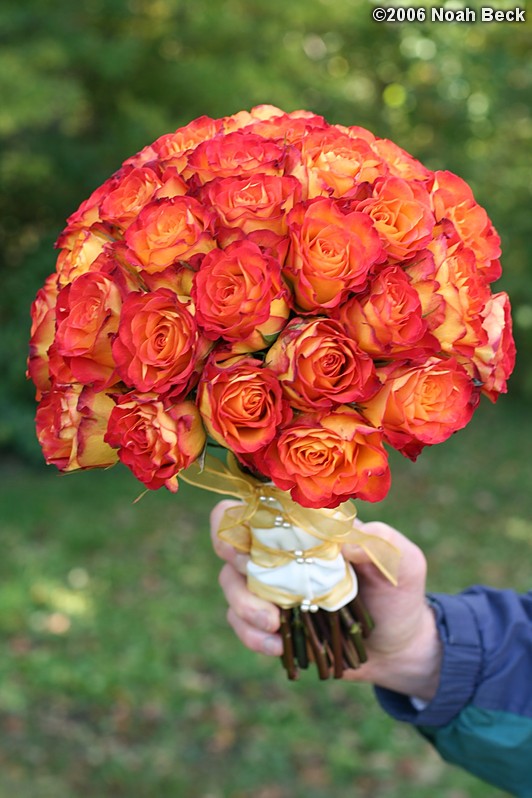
x,y
301,294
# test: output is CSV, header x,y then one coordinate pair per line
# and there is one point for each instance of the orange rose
x,y
336,163
422,404
235,154
277,125
88,310
239,295
399,162
319,367
454,203
402,216
325,460
331,253
387,320
71,423
253,203
241,403
157,347
132,188
79,250
42,334
169,230
464,291
154,441
173,148
495,360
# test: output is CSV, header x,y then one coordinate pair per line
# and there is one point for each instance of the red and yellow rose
x,y
422,404
331,254
402,215
168,230
158,346
239,296
325,460
320,367
88,312
71,422
241,403
156,441
387,321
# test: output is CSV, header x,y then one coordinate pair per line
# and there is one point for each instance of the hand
x,y
404,651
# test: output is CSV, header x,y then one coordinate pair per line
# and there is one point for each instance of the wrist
x,y
414,669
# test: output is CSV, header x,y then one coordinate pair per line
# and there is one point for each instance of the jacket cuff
x,y
461,663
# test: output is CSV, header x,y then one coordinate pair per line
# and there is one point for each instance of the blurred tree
x,y
84,85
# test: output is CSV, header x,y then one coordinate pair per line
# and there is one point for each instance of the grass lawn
x,y
120,677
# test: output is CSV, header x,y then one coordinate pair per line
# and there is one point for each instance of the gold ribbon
x,y
264,503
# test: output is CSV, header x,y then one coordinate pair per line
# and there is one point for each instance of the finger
x,y
257,612
412,563
224,550
254,638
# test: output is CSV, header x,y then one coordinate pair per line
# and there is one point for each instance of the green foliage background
x,y
118,674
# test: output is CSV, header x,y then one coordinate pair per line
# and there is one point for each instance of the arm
x,y
481,715
467,657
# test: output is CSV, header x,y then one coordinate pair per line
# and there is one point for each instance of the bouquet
x,y
301,295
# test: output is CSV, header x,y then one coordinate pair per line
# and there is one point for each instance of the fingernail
x,y
272,645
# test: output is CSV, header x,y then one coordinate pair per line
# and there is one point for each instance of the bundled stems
x,y
334,641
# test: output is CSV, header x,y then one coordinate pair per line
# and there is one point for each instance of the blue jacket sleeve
x,y
481,716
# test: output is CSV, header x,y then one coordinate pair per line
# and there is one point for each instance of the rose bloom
x,y
241,403
495,360
132,188
174,148
157,347
252,203
336,162
239,295
422,404
325,460
464,292
235,155
402,215
154,441
271,122
331,253
387,320
399,162
319,366
42,334
168,230
88,310
71,423
79,250
453,202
